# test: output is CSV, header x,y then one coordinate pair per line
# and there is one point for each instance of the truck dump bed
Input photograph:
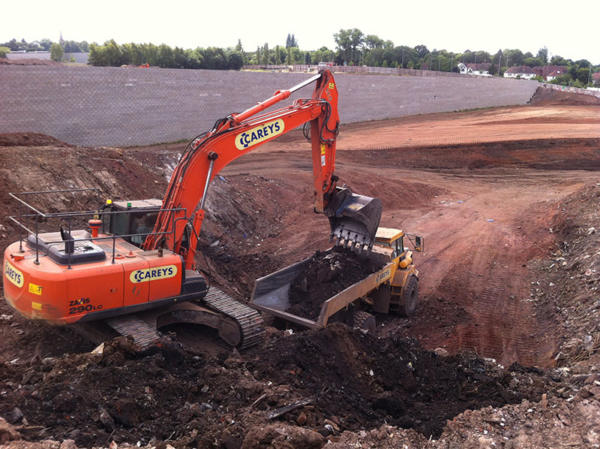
x,y
271,294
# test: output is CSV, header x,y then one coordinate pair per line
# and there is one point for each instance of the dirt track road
x,y
486,125
483,209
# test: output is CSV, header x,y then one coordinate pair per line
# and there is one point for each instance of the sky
x,y
451,25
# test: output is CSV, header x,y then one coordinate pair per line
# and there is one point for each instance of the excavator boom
x,y
353,218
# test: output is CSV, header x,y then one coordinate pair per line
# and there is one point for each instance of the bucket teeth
x,y
353,218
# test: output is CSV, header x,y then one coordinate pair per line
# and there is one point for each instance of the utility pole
x,y
499,65
402,57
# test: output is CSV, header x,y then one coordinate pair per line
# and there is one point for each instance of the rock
x,y
68,444
301,420
441,352
381,435
231,442
16,416
7,432
106,420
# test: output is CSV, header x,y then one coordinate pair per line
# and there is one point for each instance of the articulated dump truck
x,y
393,288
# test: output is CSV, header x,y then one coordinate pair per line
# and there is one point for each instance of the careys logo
x,y
153,274
259,134
384,275
12,274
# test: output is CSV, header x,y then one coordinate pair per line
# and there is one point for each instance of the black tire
x,y
410,298
364,321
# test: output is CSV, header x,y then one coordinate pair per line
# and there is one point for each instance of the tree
x,y
558,60
235,60
56,52
71,47
278,60
583,75
514,57
349,43
166,58
421,51
583,63
4,51
542,55
46,44
532,62
97,56
291,41
265,55
113,53
562,79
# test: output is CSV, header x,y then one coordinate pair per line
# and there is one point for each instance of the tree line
x,y
353,47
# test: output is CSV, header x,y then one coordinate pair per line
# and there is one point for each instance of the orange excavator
x,y
135,271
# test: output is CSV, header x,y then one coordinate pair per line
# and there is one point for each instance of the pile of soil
x,y
361,382
551,97
327,274
352,382
31,140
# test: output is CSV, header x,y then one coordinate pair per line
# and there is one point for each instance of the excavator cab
x,y
136,221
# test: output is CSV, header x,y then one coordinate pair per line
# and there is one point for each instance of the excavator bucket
x,y
354,219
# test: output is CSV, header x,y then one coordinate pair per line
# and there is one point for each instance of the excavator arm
x,y
354,218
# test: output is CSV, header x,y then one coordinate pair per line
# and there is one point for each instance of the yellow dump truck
x,y
393,288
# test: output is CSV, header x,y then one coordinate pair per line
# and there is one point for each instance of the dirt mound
x,y
327,274
551,97
360,382
569,276
29,61
31,140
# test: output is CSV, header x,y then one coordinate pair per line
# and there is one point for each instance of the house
x,y
482,69
523,72
596,77
549,72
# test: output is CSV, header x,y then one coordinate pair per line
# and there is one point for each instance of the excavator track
x,y
249,320
143,333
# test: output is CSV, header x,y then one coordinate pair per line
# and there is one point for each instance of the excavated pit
x,y
485,211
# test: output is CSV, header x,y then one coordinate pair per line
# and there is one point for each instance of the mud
x,y
327,274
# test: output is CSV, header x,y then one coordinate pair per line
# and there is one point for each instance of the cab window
x,y
142,223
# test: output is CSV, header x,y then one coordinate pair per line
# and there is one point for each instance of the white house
x,y
482,69
523,72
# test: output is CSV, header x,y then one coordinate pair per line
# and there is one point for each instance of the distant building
x,y
523,72
482,69
596,76
549,72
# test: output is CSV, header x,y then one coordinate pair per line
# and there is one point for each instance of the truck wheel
x,y
410,298
364,321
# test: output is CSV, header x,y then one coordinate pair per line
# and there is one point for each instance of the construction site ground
x,y
507,200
